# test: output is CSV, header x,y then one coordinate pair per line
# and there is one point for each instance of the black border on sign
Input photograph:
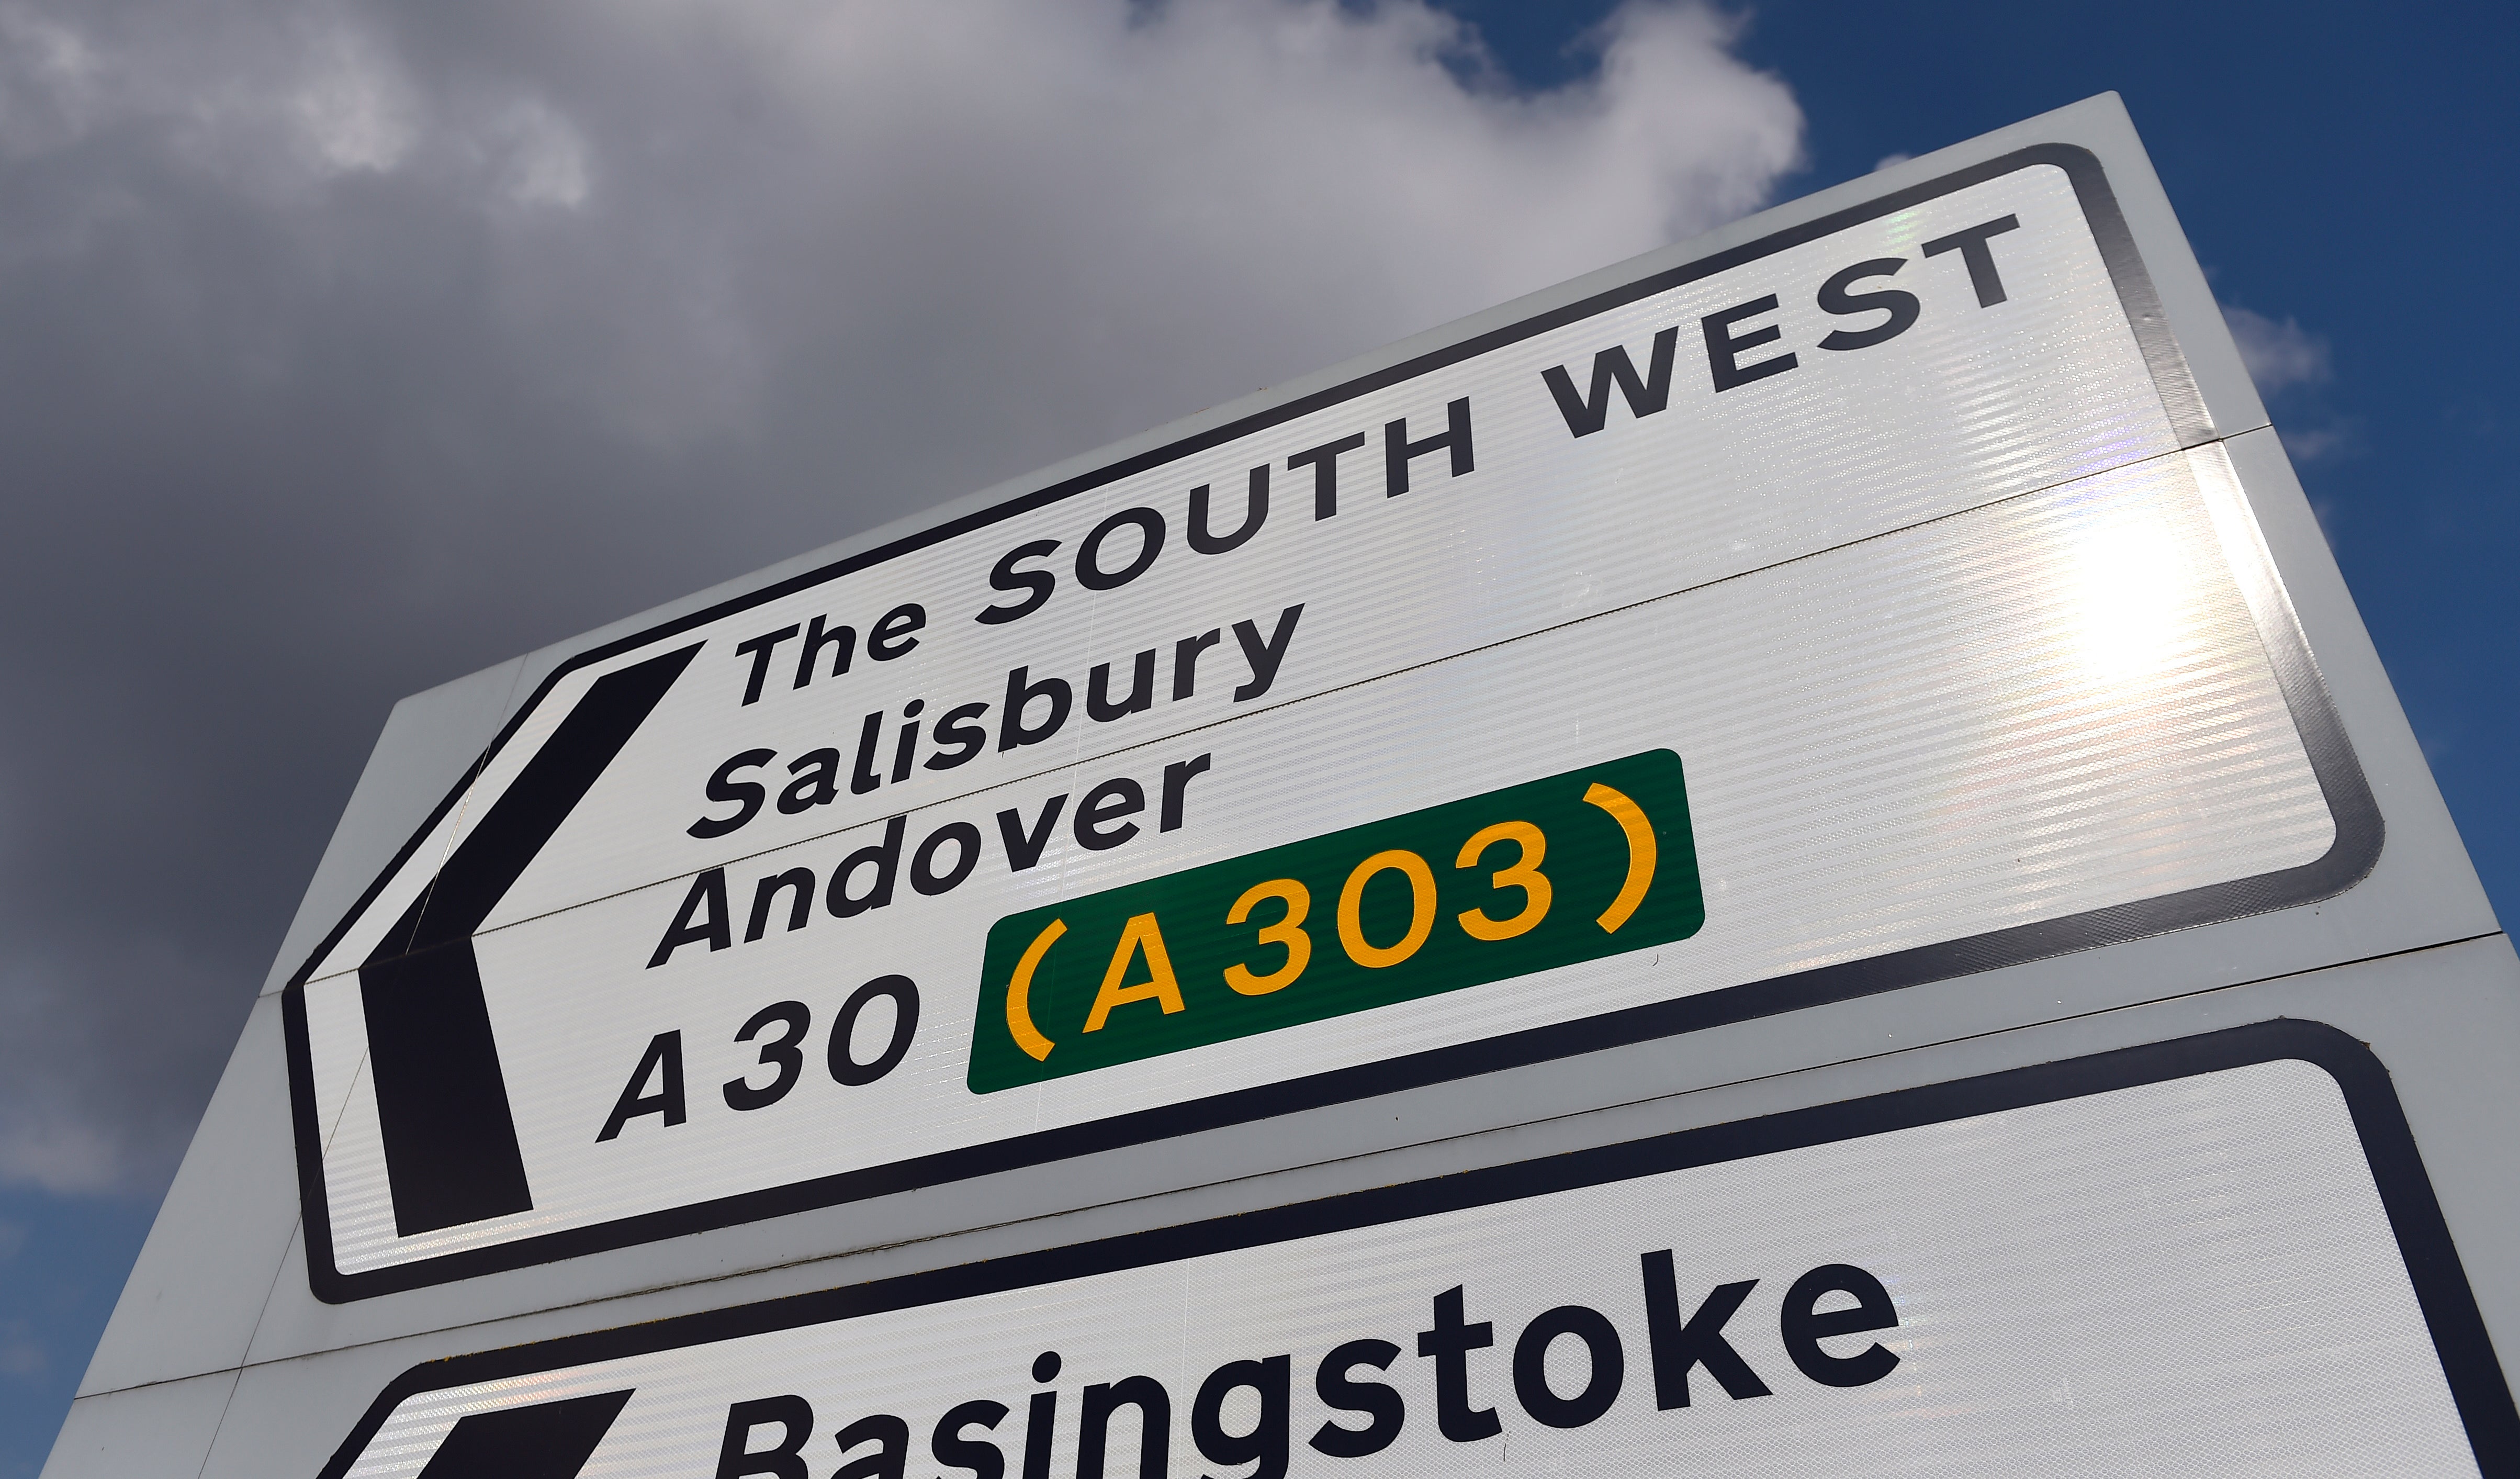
x,y
2458,1329
2342,783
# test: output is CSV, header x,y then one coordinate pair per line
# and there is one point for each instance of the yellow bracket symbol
x,y
1019,988
1641,860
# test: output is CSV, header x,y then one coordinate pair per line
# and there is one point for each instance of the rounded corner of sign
x,y
333,1288
2323,1045
2355,855
2355,850
325,1278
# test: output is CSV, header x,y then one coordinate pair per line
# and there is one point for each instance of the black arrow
x,y
450,1139
551,1441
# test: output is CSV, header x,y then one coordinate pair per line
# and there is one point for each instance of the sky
x,y
346,349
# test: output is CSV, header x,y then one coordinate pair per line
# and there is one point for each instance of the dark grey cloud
x,y
344,349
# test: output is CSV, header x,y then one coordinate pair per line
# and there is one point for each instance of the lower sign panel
x,y
2211,1256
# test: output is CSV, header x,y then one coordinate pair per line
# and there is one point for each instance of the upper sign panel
x,y
1835,613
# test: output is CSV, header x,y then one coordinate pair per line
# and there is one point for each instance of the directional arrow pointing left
x,y
450,1138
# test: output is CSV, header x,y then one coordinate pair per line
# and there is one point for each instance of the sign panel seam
x,y
2257,592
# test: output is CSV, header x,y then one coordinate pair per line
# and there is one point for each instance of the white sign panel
x,y
2186,1259
1851,609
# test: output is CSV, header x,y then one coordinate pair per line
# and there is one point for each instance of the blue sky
x,y
2347,174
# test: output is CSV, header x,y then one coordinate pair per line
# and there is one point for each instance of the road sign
x,y
1779,820
2214,1255
1858,606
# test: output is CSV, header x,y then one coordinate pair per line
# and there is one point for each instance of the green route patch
x,y
1591,862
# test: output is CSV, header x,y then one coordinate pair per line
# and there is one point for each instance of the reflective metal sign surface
x,y
1858,607
2193,1258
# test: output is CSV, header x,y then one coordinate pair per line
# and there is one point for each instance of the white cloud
x,y
2279,355
350,106
63,1150
48,80
352,345
2283,356
1107,211
542,158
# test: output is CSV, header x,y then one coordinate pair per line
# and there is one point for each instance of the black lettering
x,y
1607,1367
663,1060
1090,574
905,746
736,1458
885,857
864,779
1255,512
923,875
887,1460
781,1052
957,737
1012,729
1587,415
1108,802
1804,1326
1973,249
1264,658
1005,577
818,781
1698,1341
1265,1445
1377,1400
1025,848
1142,691
759,646
707,901
1176,778
1041,1421
1397,451
1186,661
843,1061
744,793
1902,307
1723,347
843,637
1450,1343
1155,1425
953,1451
890,637
800,906
1323,460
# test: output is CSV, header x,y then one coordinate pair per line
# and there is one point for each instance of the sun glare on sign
x,y
2132,593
